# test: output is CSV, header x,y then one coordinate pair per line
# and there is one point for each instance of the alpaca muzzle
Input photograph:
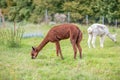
x,y
33,57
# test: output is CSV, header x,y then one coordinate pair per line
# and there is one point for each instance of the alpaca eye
x,y
32,54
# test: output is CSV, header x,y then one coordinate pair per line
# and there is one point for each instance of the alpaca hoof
x,y
75,58
81,57
62,58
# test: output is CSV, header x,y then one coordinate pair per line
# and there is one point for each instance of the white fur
x,y
99,30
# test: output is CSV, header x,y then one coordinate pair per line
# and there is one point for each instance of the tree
x,y
33,10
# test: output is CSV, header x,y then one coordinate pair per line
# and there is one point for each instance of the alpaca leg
x,y
93,41
74,48
102,41
89,39
80,49
59,49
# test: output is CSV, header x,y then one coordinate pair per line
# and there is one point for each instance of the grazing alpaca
x,y
58,33
99,30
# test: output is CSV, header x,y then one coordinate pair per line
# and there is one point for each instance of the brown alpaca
x,y
58,33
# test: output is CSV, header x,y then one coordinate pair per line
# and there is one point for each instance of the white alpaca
x,y
99,30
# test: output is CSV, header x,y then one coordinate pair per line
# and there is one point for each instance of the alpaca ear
x,y
33,48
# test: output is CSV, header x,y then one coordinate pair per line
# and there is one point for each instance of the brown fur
x,y
58,33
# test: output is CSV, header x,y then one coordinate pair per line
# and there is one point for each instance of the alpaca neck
x,y
110,36
42,44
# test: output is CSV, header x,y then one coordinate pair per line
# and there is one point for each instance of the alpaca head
x,y
89,30
114,37
34,53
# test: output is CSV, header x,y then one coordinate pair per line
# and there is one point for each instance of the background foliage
x,y
33,10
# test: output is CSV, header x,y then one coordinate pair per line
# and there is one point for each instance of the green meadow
x,y
96,64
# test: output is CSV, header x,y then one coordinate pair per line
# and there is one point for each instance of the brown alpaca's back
x,y
64,31
61,32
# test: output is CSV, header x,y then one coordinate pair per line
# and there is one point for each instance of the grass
x,y
96,64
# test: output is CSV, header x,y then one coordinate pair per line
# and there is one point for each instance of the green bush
x,y
11,37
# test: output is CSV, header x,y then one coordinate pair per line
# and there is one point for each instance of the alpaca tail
x,y
80,36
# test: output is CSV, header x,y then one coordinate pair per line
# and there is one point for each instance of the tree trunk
x,y
2,18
